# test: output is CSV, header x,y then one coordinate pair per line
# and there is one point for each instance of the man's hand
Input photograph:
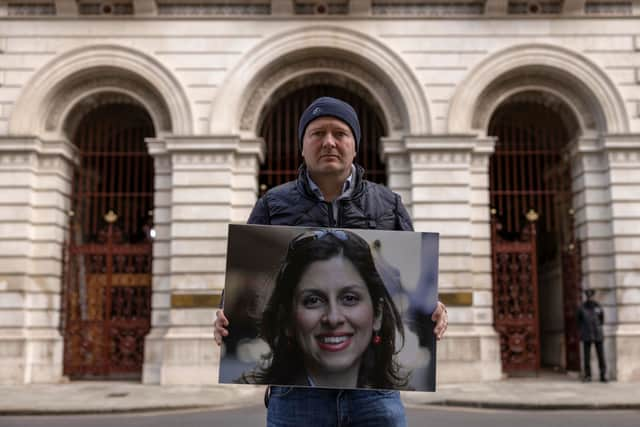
x,y
440,317
220,327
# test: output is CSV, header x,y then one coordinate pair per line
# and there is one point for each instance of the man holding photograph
x,y
330,192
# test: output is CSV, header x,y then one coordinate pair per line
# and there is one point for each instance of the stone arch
x,y
254,119
561,73
320,50
574,117
91,76
88,101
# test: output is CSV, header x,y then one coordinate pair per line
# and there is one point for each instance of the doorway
x,y
107,274
536,270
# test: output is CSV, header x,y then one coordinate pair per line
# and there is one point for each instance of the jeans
x,y
317,407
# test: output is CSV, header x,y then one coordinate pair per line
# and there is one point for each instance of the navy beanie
x,y
332,107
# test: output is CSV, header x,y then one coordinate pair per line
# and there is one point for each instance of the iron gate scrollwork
x,y
108,306
515,297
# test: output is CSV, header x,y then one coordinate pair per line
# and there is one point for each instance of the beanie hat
x,y
331,107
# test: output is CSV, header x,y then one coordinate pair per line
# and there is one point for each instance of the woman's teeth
x,y
333,340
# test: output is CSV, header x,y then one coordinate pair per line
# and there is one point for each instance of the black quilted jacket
x,y
370,205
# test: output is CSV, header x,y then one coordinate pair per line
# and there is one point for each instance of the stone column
x,y
623,155
35,184
161,268
247,159
481,278
449,181
398,171
205,183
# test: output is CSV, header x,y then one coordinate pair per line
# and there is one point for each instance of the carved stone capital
x,y
398,162
447,142
450,149
206,149
624,157
16,150
18,160
622,149
202,158
440,158
621,142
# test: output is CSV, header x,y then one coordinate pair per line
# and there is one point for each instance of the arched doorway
x,y
535,255
279,129
108,253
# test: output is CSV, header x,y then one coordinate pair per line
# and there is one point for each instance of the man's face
x,y
328,147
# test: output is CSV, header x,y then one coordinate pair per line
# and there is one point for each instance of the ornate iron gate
x,y
515,296
108,262
280,132
528,171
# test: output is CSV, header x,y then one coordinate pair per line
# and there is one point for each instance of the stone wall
x,y
205,81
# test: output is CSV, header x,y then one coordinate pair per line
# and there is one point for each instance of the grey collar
x,y
346,187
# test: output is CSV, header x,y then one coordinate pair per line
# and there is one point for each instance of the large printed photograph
x,y
335,308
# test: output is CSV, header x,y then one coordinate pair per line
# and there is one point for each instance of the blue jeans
x,y
317,407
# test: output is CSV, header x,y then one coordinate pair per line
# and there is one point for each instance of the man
x,y
330,192
590,320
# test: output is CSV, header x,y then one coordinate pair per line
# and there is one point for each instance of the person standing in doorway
x,y
590,321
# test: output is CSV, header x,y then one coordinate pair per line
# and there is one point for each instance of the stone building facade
x,y
206,72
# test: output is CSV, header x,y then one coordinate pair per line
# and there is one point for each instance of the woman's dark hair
x,y
284,364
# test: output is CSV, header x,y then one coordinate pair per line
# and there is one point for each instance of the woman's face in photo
x,y
334,318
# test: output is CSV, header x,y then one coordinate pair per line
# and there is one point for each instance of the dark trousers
x,y
602,365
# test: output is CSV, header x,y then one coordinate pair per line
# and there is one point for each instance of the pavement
x,y
93,397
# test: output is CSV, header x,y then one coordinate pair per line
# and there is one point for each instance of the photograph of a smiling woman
x,y
330,308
